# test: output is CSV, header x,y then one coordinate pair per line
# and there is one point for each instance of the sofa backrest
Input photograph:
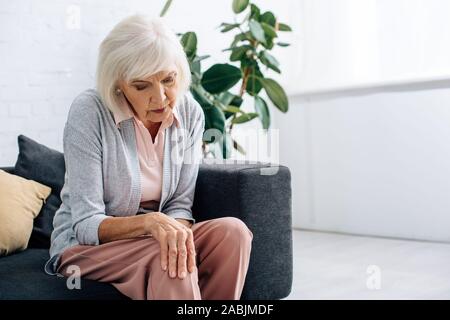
x,y
8,169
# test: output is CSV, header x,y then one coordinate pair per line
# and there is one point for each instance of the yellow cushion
x,y
20,202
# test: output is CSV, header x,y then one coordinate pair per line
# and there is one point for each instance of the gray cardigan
x,y
102,176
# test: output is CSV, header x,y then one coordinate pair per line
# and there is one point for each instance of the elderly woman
x,y
132,150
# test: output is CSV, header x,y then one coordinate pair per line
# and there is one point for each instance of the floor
x,y
337,266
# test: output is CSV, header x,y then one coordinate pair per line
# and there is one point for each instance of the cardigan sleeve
x,y
83,158
180,204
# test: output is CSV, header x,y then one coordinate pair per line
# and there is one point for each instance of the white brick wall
x,y
45,61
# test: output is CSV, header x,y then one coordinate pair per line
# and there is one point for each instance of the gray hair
x,y
136,48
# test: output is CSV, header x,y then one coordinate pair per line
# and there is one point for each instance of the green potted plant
x,y
256,35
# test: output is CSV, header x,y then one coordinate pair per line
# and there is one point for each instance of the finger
x,y
173,252
191,251
164,249
182,253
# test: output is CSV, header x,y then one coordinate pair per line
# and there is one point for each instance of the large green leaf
x,y
226,98
269,60
200,58
254,12
214,119
245,117
239,5
254,84
199,95
189,42
221,77
231,101
276,94
263,111
268,18
284,27
228,26
257,31
229,114
237,101
196,68
269,30
268,44
239,52
239,37
247,62
233,109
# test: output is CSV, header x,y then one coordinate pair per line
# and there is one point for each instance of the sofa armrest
x,y
260,195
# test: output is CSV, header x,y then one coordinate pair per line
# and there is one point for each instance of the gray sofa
x,y
249,191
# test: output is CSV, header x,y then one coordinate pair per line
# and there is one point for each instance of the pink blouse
x,y
150,154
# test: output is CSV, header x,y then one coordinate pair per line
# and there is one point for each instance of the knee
x,y
167,288
235,228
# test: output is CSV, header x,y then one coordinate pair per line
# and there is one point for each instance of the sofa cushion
x,y
20,202
29,281
44,165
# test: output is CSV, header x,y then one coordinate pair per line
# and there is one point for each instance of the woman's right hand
x,y
176,242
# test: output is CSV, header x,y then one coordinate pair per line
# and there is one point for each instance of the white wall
x,y
372,162
367,135
353,43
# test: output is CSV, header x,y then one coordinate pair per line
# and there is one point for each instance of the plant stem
x,y
241,92
165,8
244,81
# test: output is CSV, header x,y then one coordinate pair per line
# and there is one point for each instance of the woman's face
x,y
153,98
